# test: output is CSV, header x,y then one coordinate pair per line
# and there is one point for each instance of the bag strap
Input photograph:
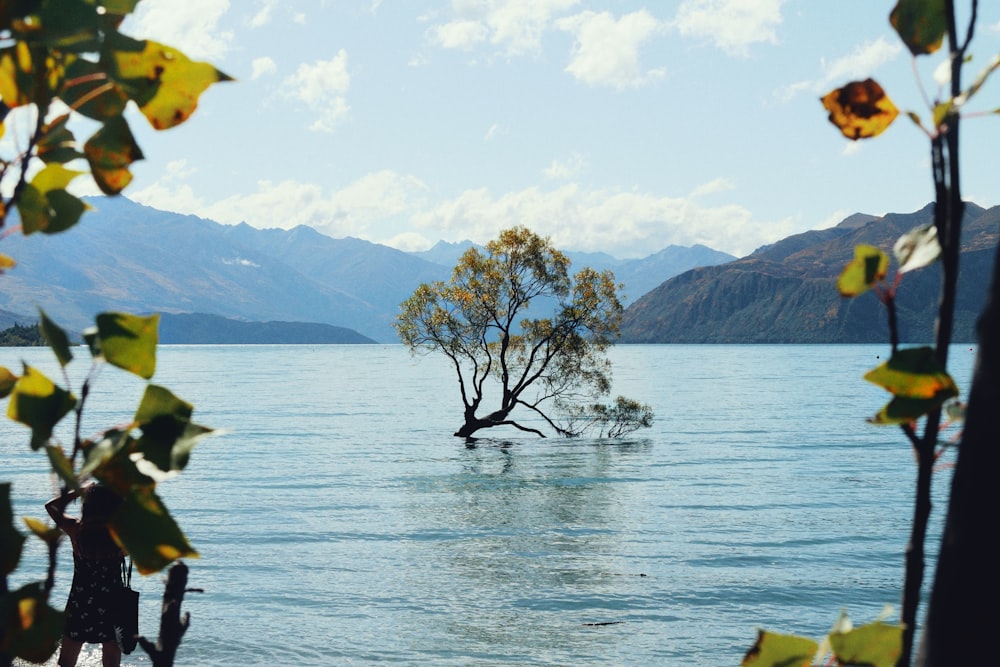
x,y
127,573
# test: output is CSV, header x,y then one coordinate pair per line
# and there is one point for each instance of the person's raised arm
x,y
57,508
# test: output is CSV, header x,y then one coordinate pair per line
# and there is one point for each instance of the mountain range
x,y
786,292
129,257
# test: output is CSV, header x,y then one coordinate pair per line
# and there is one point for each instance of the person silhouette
x,y
97,574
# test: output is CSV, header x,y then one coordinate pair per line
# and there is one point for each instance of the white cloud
x,y
395,209
860,64
514,26
321,86
732,25
496,130
460,34
624,224
712,187
263,15
192,26
606,51
566,169
262,67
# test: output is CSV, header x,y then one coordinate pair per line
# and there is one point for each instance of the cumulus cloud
x,y
321,86
859,64
262,67
624,224
263,15
396,210
192,26
566,169
513,26
606,52
732,25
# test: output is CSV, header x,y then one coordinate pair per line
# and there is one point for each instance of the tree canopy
x,y
486,321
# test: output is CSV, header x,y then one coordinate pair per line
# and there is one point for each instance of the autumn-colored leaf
x,y
6,263
861,109
868,267
914,373
921,24
775,650
56,143
163,81
7,381
110,152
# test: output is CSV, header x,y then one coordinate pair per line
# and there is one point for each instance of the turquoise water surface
x,y
340,523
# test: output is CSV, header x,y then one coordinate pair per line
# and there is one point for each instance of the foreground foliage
x,y
62,61
548,366
924,395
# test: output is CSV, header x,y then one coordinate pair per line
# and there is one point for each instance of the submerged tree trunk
x,y
962,615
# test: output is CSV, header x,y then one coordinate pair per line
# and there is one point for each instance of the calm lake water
x,y
340,523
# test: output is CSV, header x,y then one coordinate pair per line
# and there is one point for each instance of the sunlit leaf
x,y
56,337
7,381
774,650
45,205
867,268
17,82
914,373
129,341
38,403
42,530
62,466
163,81
29,628
917,248
874,645
6,263
861,109
110,152
921,24
144,527
941,112
11,540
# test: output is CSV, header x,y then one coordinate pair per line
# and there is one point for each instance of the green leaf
x,y
168,436
29,628
56,337
901,410
917,248
11,540
147,531
45,206
868,267
57,144
40,404
110,152
89,90
914,373
62,466
163,81
921,24
874,645
129,341
774,650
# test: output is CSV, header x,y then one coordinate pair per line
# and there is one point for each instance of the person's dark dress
x,y
91,598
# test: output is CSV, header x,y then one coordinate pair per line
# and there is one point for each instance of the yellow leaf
x,y
861,109
6,263
174,81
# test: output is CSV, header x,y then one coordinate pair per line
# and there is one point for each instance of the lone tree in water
x,y
554,367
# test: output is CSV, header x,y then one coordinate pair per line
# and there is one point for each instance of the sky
x,y
614,126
